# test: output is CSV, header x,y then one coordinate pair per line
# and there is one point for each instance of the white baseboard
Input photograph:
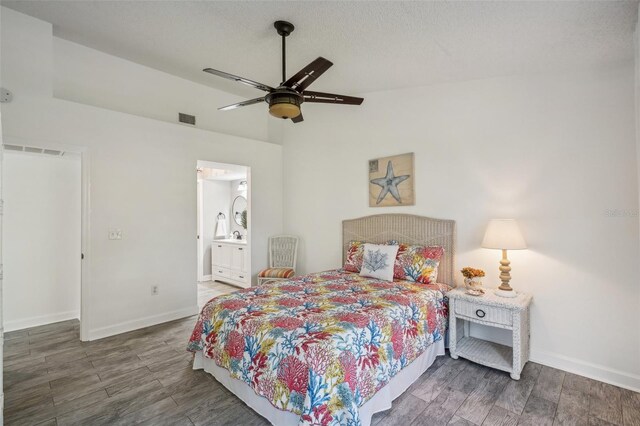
x,y
206,277
572,365
583,368
123,327
40,320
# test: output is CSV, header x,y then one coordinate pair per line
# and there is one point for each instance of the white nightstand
x,y
494,311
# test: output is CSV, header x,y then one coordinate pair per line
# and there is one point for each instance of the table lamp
x,y
504,234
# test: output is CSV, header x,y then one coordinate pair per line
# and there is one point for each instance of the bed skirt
x,y
381,401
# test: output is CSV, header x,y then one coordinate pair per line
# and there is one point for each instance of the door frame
x,y
199,219
85,220
199,230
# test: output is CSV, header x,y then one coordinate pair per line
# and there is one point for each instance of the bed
x,y
331,347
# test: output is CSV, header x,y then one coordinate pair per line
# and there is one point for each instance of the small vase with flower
x,y
473,280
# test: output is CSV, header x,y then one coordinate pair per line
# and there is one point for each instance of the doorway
x,y
223,228
42,238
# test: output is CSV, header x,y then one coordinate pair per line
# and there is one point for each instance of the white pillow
x,y
378,261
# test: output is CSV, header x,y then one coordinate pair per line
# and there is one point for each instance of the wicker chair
x,y
283,254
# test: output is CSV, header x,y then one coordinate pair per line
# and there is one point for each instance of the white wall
x,y
215,199
85,75
557,152
33,69
42,239
141,174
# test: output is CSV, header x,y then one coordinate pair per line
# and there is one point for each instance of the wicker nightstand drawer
x,y
502,316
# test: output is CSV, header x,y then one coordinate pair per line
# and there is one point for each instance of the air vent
x,y
187,119
34,150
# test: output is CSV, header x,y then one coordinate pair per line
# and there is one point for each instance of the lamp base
x,y
505,293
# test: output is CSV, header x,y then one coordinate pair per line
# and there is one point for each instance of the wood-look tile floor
x,y
145,377
207,290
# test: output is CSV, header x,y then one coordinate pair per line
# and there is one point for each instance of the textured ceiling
x,y
373,45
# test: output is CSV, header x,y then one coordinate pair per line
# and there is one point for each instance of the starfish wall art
x,y
391,181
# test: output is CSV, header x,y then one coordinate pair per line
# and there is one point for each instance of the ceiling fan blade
x,y
308,74
241,104
298,119
242,80
330,98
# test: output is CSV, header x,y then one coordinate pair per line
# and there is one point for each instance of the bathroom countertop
x,y
231,241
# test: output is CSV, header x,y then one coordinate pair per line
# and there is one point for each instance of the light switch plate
x,y
115,234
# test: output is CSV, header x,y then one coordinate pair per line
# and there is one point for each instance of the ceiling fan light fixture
x,y
284,105
284,110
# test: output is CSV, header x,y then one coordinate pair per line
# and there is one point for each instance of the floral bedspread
x,y
322,344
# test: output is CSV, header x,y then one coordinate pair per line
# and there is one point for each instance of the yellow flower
x,y
469,272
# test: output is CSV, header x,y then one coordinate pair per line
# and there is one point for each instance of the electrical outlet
x,y
115,234
155,290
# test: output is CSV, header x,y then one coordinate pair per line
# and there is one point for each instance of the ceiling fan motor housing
x,y
284,103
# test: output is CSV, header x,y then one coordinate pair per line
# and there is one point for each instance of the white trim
x,y
40,320
85,263
206,278
593,371
249,228
199,229
136,324
1,284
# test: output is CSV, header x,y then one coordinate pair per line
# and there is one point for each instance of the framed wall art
x,y
391,181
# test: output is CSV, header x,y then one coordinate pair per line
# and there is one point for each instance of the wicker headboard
x,y
405,228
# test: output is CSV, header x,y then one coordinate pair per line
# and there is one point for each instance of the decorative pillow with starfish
x,y
378,261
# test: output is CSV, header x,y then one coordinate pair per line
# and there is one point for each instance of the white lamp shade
x,y
503,234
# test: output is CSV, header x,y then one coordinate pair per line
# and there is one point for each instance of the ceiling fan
x,y
285,100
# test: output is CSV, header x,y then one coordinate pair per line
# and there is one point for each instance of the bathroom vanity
x,y
230,262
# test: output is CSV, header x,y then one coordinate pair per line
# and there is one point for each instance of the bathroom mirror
x,y
239,205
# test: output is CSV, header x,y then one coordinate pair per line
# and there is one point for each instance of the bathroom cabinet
x,y
230,262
